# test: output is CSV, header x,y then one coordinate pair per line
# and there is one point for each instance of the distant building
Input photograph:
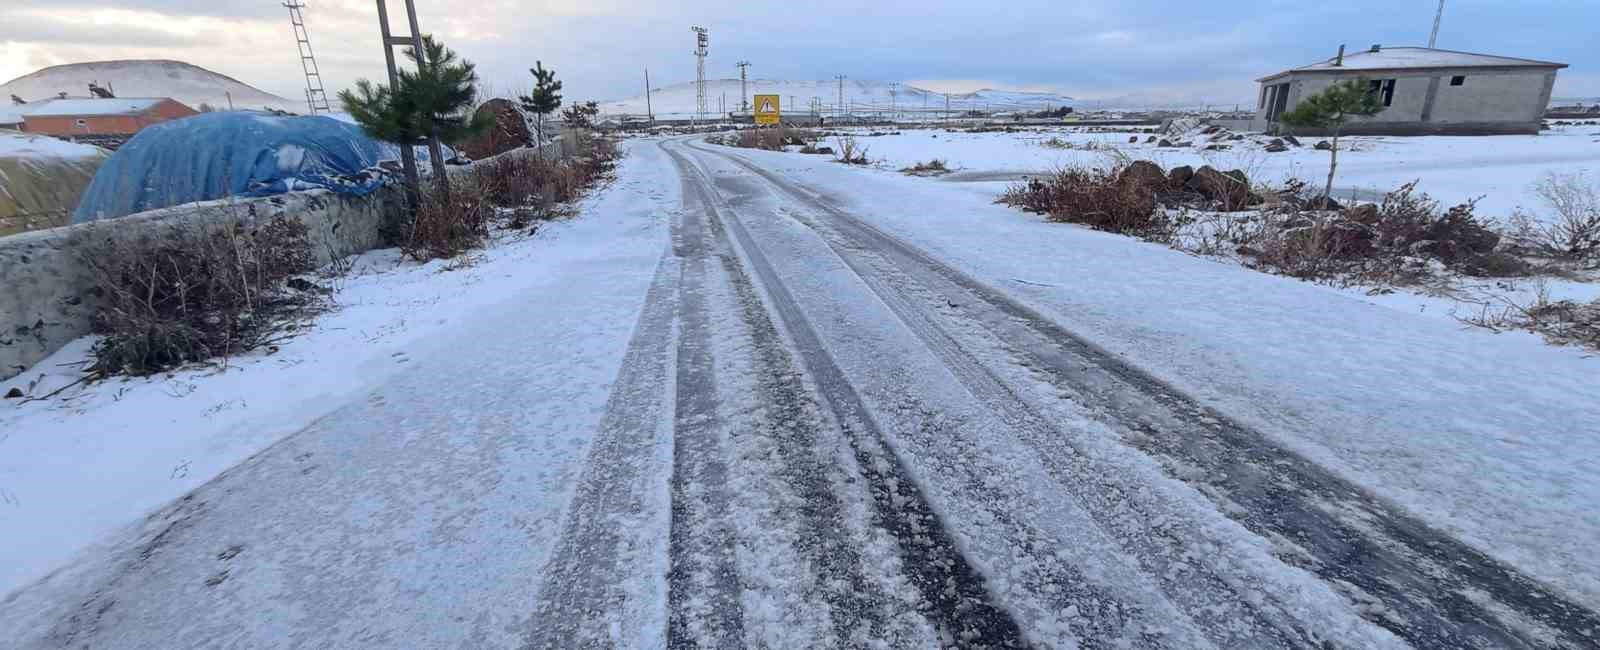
x,y
1424,91
92,119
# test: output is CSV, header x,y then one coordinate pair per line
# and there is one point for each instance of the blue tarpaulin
x,y
244,153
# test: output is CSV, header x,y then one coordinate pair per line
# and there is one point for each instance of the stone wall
x,y
45,300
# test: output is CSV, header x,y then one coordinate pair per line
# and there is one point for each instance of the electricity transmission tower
x,y
1433,38
702,39
744,97
841,79
316,97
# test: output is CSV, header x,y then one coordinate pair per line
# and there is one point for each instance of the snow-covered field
x,y
77,467
797,96
1499,169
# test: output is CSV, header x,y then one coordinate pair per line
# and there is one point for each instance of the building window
x,y
1458,80
81,123
1383,87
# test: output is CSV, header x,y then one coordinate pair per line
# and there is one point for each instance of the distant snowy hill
x,y
187,83
861,95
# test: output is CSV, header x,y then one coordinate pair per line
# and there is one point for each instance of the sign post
x,y
767,110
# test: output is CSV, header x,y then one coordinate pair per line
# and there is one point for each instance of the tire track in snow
x,y
1426,587
953,592
594,592
1120,511
703,591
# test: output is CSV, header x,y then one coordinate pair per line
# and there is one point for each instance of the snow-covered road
x,y
799,421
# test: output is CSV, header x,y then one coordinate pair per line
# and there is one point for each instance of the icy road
x,y
760,418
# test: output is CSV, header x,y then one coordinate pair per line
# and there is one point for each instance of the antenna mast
x,y
1434,37
702,39
316,97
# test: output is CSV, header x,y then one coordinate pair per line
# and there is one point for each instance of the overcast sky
x,y
1084,48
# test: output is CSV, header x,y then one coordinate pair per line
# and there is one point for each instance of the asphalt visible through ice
x,y
788,429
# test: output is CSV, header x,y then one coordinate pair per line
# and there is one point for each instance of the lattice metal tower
x,y
316,97
744,95
702,39
1433,37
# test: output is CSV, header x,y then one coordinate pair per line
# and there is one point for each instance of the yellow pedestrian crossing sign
x,y
766,109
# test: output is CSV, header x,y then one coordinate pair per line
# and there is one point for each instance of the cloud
x,y
1089,48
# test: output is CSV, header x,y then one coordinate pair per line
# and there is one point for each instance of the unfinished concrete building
x,y
1424,91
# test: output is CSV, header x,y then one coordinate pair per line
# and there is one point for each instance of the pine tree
x,y
581,115
1331,109
432,103
545,98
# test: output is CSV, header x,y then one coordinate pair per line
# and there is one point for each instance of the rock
x,y
1322,145
1211,129
14,393
1150,140
1144,174
1238,175
1226,189
1277,146
1235,137
1366,214
1291,140
1133,139
509,131
825,150
1179,177
1324,203
1216,147
1164,143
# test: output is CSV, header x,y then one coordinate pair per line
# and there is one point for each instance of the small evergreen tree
x,y
434,102
581,116
545,98
1331,109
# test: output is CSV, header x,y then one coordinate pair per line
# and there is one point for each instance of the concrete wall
x,y
1490,101
45,300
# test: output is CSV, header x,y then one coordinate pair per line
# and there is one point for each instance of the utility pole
x,y
744,95
894,109
947,106
841,93
1433,38
702,39
408,158
649,113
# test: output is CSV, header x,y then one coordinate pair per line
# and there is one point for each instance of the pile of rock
x,y
1226,191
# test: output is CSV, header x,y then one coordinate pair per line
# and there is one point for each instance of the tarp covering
x,y
240,153
41,179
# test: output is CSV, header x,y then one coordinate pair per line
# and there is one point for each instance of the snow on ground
x,y
1452,169
74,469
25,145
1483,436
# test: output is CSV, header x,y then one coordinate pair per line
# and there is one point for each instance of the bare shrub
x,y
1572,232
448,224
1095,197
932,167
194,291
1563,322
849,151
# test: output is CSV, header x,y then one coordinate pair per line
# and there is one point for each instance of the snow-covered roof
x,y
1403,58
10,115
73,107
